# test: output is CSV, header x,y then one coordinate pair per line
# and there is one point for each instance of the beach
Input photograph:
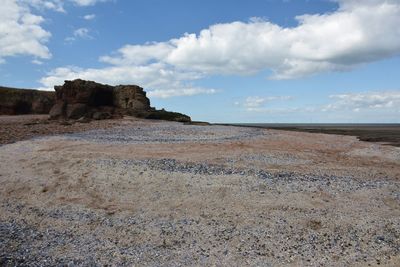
x,y
133,192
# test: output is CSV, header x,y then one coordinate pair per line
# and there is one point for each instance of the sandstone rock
x,y
85,92
95,100
130,97
15,101
57,110
75,111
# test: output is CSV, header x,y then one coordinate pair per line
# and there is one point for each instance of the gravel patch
x,y
167,133
293,182
271,240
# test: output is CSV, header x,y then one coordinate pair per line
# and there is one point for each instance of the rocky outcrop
x,y
15,101
87,99
130,97
79,98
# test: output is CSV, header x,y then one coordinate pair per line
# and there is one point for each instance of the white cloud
x,y
356,33
254,102
89,16
87,2
37,62
281,110
56,5
81,33
21,32
380,106
180,92
138,54
379,102
365,101
158,80
257,103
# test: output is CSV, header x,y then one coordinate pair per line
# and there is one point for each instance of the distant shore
x,y
22,127
388,134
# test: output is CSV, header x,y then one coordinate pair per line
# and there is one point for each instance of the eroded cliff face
x,y
130,97
88,99
25,101
80,99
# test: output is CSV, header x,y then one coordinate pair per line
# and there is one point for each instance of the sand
x,y
154,193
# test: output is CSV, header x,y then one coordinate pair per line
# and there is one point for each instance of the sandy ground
x,y
22,127
165,194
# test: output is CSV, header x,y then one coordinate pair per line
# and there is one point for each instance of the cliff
x,y
25,101
90,100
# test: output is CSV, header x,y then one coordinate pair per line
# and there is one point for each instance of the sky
x,y
264,61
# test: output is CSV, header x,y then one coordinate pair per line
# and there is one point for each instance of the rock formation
x,y
79,99
130,97
25,101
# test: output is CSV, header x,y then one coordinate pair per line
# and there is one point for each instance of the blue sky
x,y
218,61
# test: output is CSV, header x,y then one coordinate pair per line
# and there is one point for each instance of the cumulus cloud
x,y
358,32
21,32
158,80
138,54
365,101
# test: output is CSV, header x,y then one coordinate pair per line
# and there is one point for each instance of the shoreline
x,y
382,133
22,127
